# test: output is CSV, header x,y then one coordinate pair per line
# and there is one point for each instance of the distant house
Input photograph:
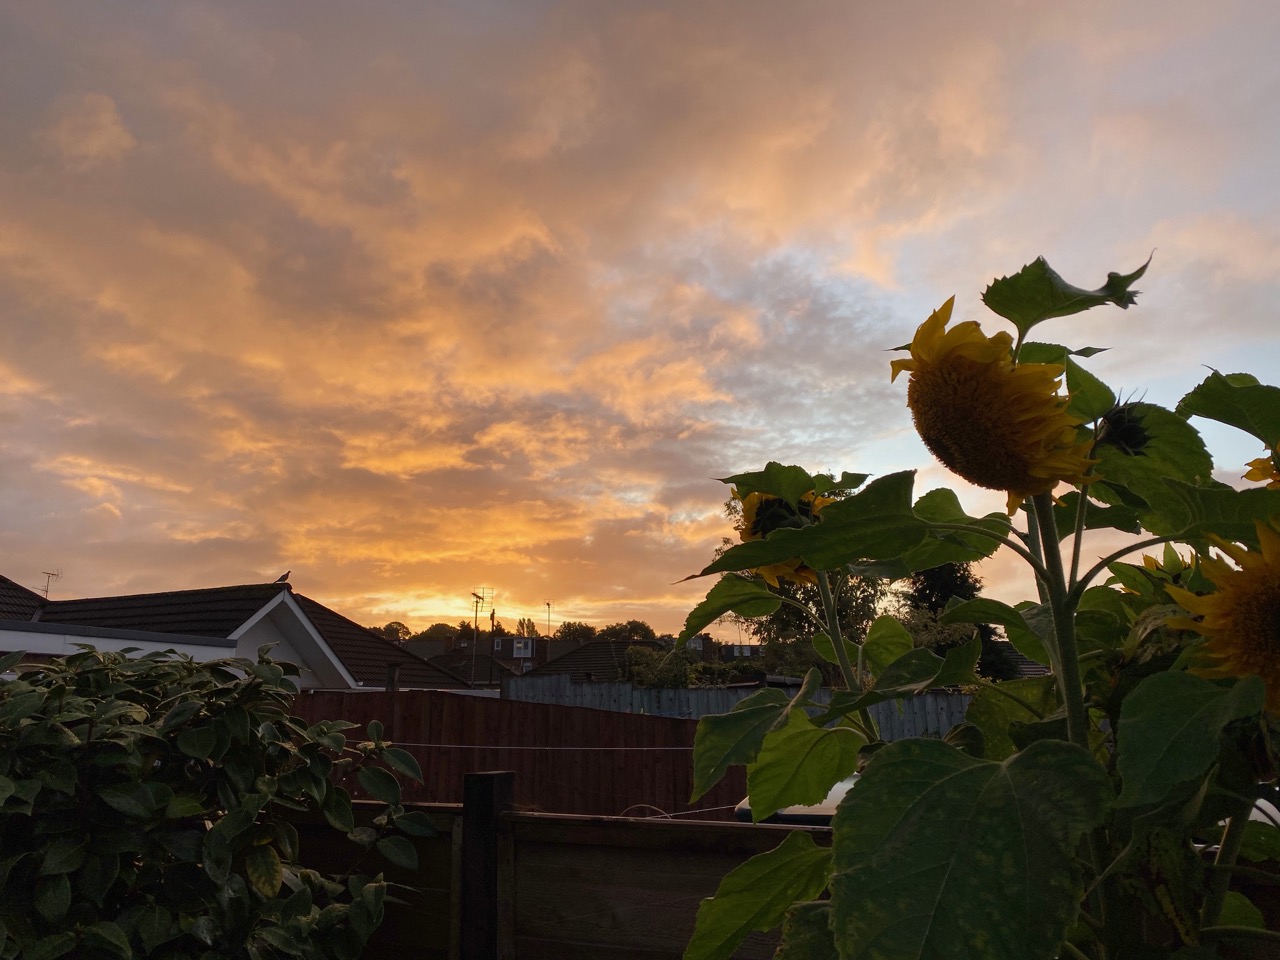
x,y
331,651
600,661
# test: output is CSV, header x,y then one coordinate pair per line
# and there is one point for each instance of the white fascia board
x,y
62,640
321,645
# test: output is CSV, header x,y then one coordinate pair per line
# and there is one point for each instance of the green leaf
x,y
1036,293
1237,400
799,764
399,851
183,806
403,762
415,823
1169,731
959,664
723,740
949,856
788,482
1188,512
379,784
1096,516
824,485
1239,911
131,799
949,546
49,948
63,855
994,712
757,894
374,730
1034,351
887,640
53,897
198,742
1261,841
806,932
825,647
110,937
875,523
731,594
263,870
336,808
1090,397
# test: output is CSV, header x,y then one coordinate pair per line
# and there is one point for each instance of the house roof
x,y
366,654
208,612
17,602
479,669
601,661
218,613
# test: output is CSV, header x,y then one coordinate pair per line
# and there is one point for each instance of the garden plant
x,y
1102,811
147,808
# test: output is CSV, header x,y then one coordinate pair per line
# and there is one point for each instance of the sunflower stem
x,y
1036,550
1065,653
1082,509
852,677
1228,852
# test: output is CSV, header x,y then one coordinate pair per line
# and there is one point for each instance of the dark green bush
x,y
145,808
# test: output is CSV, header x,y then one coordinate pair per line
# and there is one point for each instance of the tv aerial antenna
x,y
49,577
549,605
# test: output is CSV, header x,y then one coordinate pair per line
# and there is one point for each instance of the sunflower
x,y
1264,468
762,513
1242,617
997,424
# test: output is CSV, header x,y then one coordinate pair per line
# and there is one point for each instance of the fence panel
x,y
567,759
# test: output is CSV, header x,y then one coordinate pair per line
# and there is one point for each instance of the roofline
x,y
112,633
286,597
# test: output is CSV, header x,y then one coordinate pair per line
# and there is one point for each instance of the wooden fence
x,y
498,884
569,760
930,714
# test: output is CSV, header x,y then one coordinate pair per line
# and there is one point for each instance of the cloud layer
x,y
417,299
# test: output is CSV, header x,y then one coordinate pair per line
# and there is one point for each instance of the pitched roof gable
x,y
207,612
367,655
17,602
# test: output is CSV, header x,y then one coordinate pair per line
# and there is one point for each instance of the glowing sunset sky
x,y
411,298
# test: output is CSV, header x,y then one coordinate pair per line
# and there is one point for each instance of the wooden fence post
x,y
485,895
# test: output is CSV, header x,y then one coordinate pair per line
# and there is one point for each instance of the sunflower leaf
x,y
1037,293
1238,400
799,764
726,739
1169,731
951,856
1090,397
875,523
788,482
731,594
1188,512
757,894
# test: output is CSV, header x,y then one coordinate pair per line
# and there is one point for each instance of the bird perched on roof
x,y
283,577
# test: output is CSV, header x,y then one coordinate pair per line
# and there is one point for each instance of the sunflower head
x,y
1122,427
1266,468
998,424
763,513
1241,618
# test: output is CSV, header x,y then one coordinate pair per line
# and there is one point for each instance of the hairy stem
x,y
852,677
1227,854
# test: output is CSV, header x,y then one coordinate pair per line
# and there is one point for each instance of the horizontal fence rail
x,y
569,760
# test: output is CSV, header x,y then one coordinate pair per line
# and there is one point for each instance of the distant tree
x,y
571,631
631,631
395,631
927,594
438,631
525,627
785,636
666,669
466,633
496,627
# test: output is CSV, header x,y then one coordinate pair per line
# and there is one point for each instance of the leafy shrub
x,y
145,808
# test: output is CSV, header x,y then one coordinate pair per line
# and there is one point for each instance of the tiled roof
x,y
211,612
366,654
17,602
480,669
601,661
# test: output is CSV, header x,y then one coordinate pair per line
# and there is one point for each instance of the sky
x,y
414,298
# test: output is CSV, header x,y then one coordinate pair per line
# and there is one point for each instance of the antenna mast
x,y
49,577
